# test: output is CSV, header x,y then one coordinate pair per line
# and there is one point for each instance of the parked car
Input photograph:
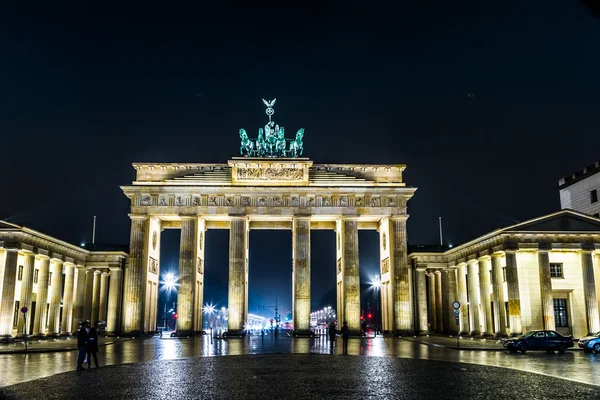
x,y
590,343
539,340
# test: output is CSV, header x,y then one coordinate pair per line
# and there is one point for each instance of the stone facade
x,y
539,274
60,284
580,191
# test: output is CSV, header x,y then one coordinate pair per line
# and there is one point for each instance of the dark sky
x,y
84,93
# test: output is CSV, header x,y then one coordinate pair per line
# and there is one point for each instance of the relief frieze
x,y
285,174
385,265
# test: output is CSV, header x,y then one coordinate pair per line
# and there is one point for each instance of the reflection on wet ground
x,y
576,366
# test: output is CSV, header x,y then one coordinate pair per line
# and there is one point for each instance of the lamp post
x,y
168,284
376,285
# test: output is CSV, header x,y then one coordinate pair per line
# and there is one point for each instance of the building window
x,y
556,270
561,317
594,196
503,274
35,275
20,273
16,313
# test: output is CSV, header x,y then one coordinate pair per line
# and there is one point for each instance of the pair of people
x,y
345,335
87,344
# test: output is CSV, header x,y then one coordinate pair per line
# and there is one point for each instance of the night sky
x,y
487,103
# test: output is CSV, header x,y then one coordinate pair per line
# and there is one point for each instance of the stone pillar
x,y
432,302
421,287
546,290
89,295
187,264
498,287
26,293
7,305
199,292
474,319
238,308
402,277
55,298
39,322
451,295
351,276
485,296
445,302
301,275
589,290
103,300
461,278
114,301
67,313
135,276
438,302
79,301
95,297
514,297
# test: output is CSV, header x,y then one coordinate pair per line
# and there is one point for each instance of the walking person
x,y
82,339
345,335
92,347
332,332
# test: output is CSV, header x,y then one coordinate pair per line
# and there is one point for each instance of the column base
x,y
234,333
422,333
404,333
7,339
500,335
303,333
66,334
475,333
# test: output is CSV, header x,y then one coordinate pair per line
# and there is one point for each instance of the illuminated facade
x,y
539,274
580,191
60,284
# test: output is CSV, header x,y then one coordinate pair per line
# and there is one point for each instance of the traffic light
x,y
175,316
361,317
370,315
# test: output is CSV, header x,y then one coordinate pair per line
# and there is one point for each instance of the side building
x,y
580,190
58,283
540,274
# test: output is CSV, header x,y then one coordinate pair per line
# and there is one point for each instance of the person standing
x,y
332,332
92,347
82,339
345,335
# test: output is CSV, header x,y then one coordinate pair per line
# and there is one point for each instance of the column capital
x,y
80,267
97,272
42,256
472,261
453,267
26,252
497,254
115,268
398,217
420,268
105,273
69,264
438,272
588,251
484,258
138,216
188,217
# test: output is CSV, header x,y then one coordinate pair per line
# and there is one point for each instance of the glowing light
x,y
375,283
169,282
208,309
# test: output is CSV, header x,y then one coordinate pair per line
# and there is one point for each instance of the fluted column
x,y
199,294
402,277
301,275
103,298
438,301
445,302
114,301
498,287
187,263
26,293
589,290
89,295
95,297
238,308
351,280
474,319
546,290
461,278
55,297
485,296
514,297
135,273
39,321
451,297
432,302
67,313
79,300
421,287
9,280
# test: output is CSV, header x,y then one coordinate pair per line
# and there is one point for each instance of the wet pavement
x,y
462,343
299,377
575,366
49,345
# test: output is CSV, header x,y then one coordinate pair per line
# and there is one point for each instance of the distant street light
x,y
168,284
376,286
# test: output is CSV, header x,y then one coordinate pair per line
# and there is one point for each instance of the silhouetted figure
x,y
82,339
345,335
92,347
363,328
332,332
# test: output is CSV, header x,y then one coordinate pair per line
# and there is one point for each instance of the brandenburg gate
x,y
270,187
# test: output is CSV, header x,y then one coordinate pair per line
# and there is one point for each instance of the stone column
x,y
135,276
7,305
199,294
26,293
432,302
514,297
95,297
461,278
546,290
421,287
114,301
451,295
89,295
301,275
474,319
55,298
103,300
485,296
79,301
445,302
67,313
402,277
351,280
187,263
438,302
498,287
589,290
39,322
238,308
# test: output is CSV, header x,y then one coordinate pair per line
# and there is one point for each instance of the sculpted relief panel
x,y
284,174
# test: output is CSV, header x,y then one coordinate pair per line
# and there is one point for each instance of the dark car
x,y
539,340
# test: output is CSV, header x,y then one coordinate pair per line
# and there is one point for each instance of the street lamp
x,y
376,286
168,284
